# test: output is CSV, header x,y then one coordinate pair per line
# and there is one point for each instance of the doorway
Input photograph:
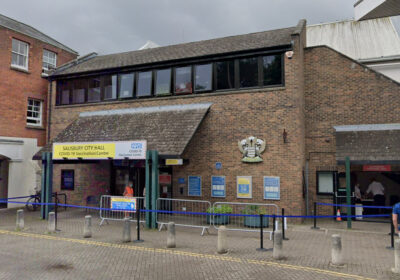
x,y
124,171
3,180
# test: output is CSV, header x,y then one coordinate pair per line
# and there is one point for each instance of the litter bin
x,y
359,211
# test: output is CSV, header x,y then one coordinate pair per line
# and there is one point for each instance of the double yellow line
x,y
189,254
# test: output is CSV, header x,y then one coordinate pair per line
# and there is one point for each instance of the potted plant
x,y
255,221
219,219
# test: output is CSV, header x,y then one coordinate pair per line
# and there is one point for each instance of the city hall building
x,y
250,118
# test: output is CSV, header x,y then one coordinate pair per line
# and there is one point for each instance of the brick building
x,y
207,103
26,55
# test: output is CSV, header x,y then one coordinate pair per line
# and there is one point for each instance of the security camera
x,y
289,54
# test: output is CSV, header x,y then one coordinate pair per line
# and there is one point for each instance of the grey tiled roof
x,y
368,146
247,42
31,32
167,129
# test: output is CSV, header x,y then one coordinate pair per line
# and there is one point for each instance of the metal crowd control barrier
x,y
239,222
185,213
107,213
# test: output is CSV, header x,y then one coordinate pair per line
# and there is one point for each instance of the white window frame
x,y
46,59
20,54
39,118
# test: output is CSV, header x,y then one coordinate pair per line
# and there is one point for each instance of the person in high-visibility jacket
x,y
128,192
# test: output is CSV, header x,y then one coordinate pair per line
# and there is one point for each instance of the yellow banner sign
x,y
173,161
84,150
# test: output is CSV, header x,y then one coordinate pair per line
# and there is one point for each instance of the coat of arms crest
x,y
251,148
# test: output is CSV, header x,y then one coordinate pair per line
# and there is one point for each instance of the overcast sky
x,y
110,26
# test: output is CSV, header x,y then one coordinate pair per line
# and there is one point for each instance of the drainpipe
x,y
306,182
49,113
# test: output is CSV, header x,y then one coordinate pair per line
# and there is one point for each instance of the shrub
x,y
254,210
220,209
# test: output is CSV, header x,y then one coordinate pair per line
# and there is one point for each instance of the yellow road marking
x,y
183,253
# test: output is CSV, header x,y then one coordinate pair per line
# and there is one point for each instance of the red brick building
x,y
26,55
262,112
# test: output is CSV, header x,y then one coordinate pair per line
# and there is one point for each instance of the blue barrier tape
x,y
354,206
17,197
30,203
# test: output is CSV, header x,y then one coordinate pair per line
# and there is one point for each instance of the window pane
x,y
248,69
325,182
144,84
94,90
272,65
126,85
203,77
183,80
225,72
65,97
110,87
14,59
15,45
163,81
34,113
79,90
49,59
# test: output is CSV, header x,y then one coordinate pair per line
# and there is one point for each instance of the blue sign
x,y
244,187
181,180
272,187
194,186
123,203
218,165
218,186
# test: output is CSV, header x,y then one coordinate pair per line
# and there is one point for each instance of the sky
x,y
111,26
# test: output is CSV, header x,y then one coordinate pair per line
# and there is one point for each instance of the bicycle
x,y
33,203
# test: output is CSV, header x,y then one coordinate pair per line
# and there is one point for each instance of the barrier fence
x,y
186,213
107,212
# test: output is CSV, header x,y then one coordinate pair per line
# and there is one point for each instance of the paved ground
x,y
33,254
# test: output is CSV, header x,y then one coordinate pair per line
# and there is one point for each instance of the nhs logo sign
x,y
137,145
131,150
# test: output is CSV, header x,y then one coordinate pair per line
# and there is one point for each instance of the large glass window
x,y
183,80
248,69
272,66
19,53
63,92
144,84
163,82
110,87
125,85
94,90
225,73
325,181
79,91
203,77
49,60
34,112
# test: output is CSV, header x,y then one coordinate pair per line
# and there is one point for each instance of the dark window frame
x,y
333,182
211,78
62,185
191,80
100,88
155,82
258,72
151,84
103,91
133,86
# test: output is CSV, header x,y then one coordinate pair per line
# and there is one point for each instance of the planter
x,y
218,220
254,222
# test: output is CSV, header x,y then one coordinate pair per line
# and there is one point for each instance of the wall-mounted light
x,y
284,135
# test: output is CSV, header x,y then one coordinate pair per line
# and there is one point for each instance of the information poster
x,y
123,203
272,187
67,180
218,186
194,185
244,187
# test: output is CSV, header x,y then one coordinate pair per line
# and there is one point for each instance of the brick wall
x,y
339,91
17,86
263,113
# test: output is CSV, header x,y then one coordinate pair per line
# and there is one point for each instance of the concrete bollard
x,y
277,253
20,220
222,242
87,229
396,268
52,223
337,256
126,234
171,240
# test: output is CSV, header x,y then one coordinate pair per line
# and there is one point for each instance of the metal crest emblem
x,y
251,148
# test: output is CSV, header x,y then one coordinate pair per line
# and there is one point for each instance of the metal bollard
x,y
222,242
52,223
20,220
126,234
337,256
87,229
277,252
315,217
396,268
171,240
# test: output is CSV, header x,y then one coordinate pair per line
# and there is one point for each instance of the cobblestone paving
x,y
33,254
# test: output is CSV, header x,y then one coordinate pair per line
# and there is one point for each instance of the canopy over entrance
x,y
368,144
167,129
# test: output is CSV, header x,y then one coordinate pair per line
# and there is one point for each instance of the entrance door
x,y
125,171
340,194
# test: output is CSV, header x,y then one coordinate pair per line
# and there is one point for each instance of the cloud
x,y
123,25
